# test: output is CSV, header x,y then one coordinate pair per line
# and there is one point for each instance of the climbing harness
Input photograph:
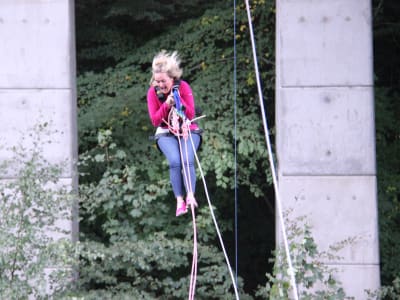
x,y
271,160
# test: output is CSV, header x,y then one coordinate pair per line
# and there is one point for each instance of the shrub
x,y
36,253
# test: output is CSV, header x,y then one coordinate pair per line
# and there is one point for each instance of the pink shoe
x,y
191,201
181,208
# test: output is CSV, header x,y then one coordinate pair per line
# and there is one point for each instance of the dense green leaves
x,y
131,239
36,253
314,279
387,112
126,199
388,143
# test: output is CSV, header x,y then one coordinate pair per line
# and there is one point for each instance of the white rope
x,y
271,160
194,263
214,219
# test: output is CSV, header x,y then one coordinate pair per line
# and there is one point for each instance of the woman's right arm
x,y
157,110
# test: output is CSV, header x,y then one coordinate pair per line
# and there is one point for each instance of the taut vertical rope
x,y
183,132
195,255
271,160
235,140
193,274
216,224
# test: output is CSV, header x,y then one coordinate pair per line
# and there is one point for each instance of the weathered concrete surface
x,y
328,210
37,85
325,129
37,74
37,48
325,43
21,109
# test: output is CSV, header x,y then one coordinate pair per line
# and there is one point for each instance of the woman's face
x,y
164,82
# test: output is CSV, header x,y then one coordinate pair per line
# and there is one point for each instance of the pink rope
x,y
184,132
193,275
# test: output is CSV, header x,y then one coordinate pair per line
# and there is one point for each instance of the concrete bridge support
x,y
325,129
37,74
37,80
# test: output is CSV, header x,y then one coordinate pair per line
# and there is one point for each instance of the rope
x,y
271,161
215,222
193,274
184,133
186,175
235,141
175,130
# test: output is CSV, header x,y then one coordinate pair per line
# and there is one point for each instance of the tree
x,y
37,255
126,216
387,111
116,43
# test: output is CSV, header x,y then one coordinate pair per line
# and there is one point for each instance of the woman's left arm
x,y
187,99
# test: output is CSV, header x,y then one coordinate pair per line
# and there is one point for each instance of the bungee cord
x,y
182,130
193,274
215,223
271,160
235,142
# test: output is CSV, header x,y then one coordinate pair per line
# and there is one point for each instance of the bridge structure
x,y
38,86
325,130
324,113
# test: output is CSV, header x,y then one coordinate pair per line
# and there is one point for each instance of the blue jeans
x,y
179,177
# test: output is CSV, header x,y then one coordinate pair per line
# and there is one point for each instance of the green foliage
x,y
32,261
127,198
314,278
388,146
110,30
116,99
391,292
387,111
132,244
386,46
117,39
129,234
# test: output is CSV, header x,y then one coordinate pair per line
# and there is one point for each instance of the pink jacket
x,y
159,110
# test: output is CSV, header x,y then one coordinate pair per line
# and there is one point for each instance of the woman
x,y
166,74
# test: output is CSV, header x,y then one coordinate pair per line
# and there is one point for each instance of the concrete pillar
x,y
325,129
37,80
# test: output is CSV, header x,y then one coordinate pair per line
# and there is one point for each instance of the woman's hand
x,y
170,100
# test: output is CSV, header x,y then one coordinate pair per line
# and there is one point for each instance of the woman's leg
x,y
189,163
170,148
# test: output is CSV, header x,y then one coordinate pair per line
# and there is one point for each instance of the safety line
x,y
187,177
194,261
193,274
175,128
271,160
235,142
214,220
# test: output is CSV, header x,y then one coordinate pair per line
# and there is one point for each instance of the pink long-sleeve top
x,y
159,110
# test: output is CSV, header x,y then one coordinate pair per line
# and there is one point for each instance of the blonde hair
x,y
167,62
